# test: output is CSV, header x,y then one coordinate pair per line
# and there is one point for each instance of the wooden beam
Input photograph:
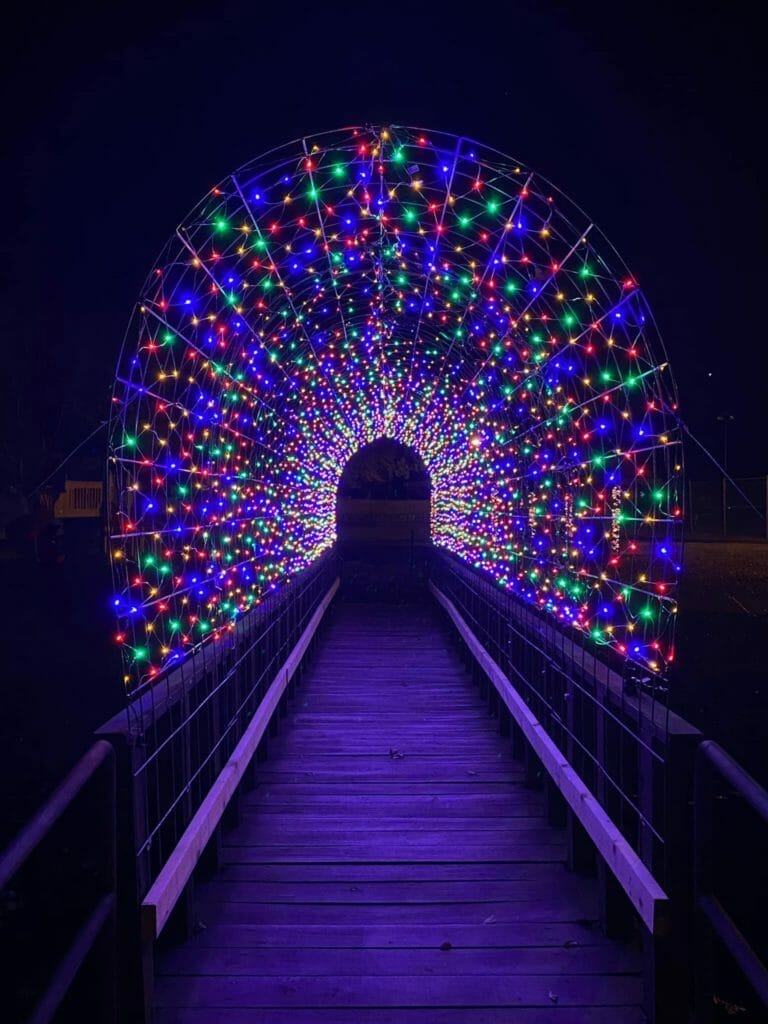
x,y
168,886
642,889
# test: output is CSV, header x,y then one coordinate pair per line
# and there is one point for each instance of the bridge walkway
x,y
391,865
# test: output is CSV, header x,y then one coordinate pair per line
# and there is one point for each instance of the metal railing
x,y
634,755
613,733
630,752
172,744
34,920
719,780
182,730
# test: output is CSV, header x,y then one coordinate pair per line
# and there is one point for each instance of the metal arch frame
x,y
288,155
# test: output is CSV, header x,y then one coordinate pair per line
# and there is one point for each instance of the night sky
x,y
118,118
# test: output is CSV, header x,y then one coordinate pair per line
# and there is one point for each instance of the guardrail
x,y
596,742
641,888
17,891
713,768
616,764
175,874
184,747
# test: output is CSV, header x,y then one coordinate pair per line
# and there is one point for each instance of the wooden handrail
x,y
646,895
38,827
175,874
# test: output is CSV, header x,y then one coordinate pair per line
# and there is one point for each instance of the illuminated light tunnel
x,y
393,283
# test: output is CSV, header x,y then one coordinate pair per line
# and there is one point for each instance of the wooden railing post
x,y
518,741
667,959
580,850
533,769
132,977
556,806
505,721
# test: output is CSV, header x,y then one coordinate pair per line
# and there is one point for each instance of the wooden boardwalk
x,y
390,865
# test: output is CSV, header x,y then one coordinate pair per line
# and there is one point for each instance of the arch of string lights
x,y
392,282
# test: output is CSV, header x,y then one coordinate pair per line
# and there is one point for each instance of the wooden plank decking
x,y
391,866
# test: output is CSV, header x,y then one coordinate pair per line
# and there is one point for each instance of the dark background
x,y
118,117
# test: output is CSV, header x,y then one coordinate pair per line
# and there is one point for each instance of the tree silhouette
x,y
385,469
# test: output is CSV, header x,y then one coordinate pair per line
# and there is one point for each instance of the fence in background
x,y
715,508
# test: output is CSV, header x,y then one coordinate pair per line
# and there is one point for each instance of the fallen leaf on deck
x,y
570,944
491,919
395,754
445,946
553,997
